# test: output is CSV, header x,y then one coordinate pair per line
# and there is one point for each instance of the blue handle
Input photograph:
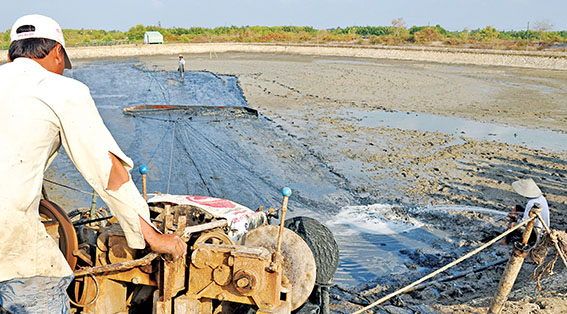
x,y
143,169
286,191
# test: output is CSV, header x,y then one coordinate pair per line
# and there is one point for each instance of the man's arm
x,y
160,243
163,243
99,159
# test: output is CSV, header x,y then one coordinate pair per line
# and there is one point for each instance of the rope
x,y
171,157
196,168
555,238
206,140
157,147
540,252
68,187
444,268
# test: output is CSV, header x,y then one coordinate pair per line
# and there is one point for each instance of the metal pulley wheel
x,y
214,237
321,242
298,261
68,242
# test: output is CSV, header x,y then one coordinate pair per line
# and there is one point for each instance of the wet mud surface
x,y
401,199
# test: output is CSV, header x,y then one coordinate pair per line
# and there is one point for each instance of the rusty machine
x,y
236,261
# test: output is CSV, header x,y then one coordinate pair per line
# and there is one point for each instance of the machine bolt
x,y
200,258
222,275
242,282
136,280
221,297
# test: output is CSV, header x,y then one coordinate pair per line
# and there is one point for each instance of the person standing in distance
x,y
41,110
181,68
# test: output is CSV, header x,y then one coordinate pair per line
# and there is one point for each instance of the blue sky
x,y
453,15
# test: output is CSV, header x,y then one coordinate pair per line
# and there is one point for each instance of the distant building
x,y
153,38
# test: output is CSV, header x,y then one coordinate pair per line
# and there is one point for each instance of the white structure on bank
x,y
153,38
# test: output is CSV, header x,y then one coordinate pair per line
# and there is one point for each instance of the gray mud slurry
x,y
249,160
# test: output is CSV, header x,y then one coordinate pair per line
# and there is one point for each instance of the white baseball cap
x,y
45,27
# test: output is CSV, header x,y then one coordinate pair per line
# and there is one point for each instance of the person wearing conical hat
x,y
529,189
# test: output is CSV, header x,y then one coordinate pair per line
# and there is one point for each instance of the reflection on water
x,y
537,139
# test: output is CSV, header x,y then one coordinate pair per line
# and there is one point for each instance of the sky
x,y
454,15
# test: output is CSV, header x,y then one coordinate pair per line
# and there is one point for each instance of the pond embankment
x,y
524,59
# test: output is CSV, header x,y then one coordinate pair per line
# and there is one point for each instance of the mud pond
x,y
249,159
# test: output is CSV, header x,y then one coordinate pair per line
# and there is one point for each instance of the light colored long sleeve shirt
x,y
39,112
544,211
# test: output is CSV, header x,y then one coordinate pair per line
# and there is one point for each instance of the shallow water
x,y
341,61
537,139
247,160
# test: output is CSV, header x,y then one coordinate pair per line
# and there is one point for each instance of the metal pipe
x,y
286,192
325,299
143,171
93,205
514,266
198,228
117,267
88,221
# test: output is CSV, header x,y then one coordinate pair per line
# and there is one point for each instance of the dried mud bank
x,y
540,60
321,102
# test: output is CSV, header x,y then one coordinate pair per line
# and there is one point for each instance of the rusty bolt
x,y
242,282
222,275
285,280
245,282
199,258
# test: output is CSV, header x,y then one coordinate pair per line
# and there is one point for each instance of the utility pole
x,y
527,36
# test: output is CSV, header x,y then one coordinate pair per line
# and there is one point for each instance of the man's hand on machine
x,y
170,244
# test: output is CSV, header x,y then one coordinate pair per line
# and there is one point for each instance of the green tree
x,y
137,32
487,34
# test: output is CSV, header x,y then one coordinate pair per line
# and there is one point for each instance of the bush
x,y
389,35
427,35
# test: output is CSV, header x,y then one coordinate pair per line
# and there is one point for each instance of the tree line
x,y
541,37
